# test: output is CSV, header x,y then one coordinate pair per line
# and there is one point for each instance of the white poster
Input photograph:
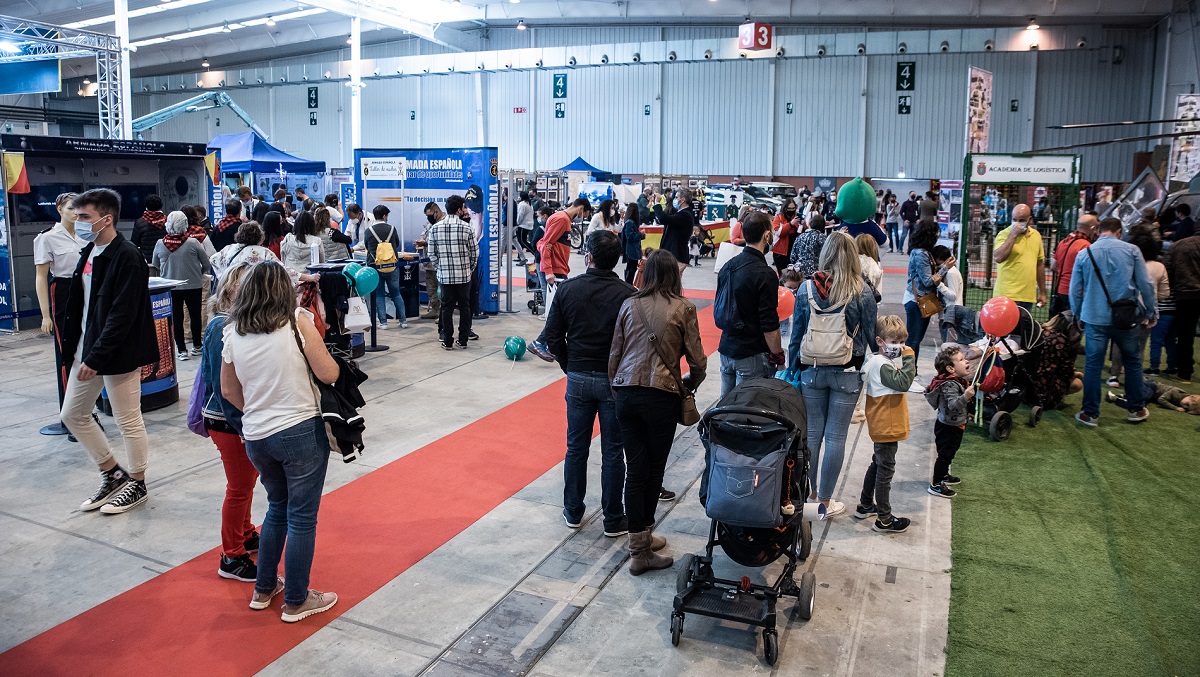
x,y
385,168
1185,150
979,110
1042,170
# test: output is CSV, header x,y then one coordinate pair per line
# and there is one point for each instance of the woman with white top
x,y
270,348
605,218
332,203
302,247
179,257
56,253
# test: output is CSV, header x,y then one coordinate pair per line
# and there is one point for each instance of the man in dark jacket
x,y
643,204
928,208
1184,227
747,309
1183,269
109,330
677,227
150,227
579,332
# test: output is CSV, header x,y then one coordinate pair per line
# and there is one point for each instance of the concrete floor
x,y
515,593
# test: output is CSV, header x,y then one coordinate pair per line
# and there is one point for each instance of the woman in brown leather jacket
x,y
649,395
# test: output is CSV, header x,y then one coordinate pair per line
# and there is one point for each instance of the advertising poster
x,y
1185,150
950,207
406,180
160,375
979,110
8,322
212,173
348,194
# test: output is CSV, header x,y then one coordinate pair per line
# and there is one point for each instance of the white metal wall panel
x,y
386,109
507,130
820,137
293,134
715,118
1085,86
699,32
570,37
447,113
604,121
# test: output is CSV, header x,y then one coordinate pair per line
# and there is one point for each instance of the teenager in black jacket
x,y
108,332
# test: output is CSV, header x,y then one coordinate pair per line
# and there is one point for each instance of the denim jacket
x,y
860,316
920,272
215,406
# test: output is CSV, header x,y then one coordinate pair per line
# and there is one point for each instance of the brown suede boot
x,y
657,542
641,557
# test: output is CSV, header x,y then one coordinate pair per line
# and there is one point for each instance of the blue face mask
x,y
675,204
84,231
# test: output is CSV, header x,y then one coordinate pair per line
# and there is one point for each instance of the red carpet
x,y
190,622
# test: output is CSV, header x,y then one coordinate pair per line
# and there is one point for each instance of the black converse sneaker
x,y
240,568
133,495
111,481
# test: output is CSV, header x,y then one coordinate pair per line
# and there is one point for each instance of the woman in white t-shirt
x,y
56,254
605,218
302,247
266,376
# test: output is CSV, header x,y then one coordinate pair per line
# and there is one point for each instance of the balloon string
x,y
514,364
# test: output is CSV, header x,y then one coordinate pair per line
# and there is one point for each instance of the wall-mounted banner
x,y
432,175
212,182
6,296
1041,170
1185,150
348,193
30,77
979,110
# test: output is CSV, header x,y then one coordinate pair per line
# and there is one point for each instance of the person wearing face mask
x,y
677,227
108,330
357,222
56,253
434,215
605,218
455,252
785,227
1021,261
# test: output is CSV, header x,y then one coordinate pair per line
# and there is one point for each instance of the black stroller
x,y
754,486
1017,356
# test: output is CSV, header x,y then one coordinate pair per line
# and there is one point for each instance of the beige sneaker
x,y
317,602
262,600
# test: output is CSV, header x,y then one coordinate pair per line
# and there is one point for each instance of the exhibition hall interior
x,y
569,338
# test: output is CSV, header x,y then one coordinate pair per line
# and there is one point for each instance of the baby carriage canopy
x,y
769,397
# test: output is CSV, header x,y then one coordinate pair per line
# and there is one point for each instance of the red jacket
x,y
555,250
784,232
1064,259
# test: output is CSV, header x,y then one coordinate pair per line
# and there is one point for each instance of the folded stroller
x,y
753,489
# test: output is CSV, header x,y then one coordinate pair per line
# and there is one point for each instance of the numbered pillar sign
x,y
755,36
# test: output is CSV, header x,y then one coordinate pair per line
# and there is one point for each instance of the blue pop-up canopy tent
x,y
581,165
247,152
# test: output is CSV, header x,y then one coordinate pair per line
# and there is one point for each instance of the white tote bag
x,y
357,317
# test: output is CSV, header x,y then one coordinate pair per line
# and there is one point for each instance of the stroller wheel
x,y
687,567
1001,426
532,305
808,591
805,533
770,646
676,628
1035,416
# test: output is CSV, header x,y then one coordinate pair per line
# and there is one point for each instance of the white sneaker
x,y
383,326
835,508
197,351
182,356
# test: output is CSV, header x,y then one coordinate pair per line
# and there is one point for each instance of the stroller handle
x,y
751,411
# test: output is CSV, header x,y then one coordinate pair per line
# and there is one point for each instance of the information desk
x,y
160,384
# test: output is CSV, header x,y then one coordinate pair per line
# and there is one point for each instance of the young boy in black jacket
x,y
950,393
108,333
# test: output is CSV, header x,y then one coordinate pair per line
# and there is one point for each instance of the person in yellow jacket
x,y
887,376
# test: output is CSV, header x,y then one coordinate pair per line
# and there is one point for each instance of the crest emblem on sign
x,y
981,168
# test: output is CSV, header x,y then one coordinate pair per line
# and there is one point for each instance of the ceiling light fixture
x,y
9,48
270,21
1033,24
204,64
350,41
515,2
222,28
135,13
226,29
86,81
521,25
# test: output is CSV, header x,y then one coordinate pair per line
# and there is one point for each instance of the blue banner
x,y
348,194
30,77
406,180
7,309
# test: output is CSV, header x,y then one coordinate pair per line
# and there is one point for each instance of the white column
x,y
121,10
355,83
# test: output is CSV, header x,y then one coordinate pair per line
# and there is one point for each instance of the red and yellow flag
x,y
17,179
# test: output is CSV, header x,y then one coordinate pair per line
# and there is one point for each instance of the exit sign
x,y
520,109
755,36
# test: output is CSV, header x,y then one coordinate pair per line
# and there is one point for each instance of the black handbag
x,y
1125,313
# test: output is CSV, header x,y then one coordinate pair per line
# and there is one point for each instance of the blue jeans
x,y
893,233
830,395
903,236
588,395
1097,337
389,288
733,372
1160,338
916,325
291,464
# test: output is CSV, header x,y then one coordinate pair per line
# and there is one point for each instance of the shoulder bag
x,y
929,304
688,414
1125,311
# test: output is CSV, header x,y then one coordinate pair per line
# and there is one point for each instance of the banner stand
x,y
507,257
375,347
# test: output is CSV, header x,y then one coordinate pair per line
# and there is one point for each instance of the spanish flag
x,y
14,171
213,165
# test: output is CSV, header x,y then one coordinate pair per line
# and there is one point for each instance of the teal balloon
x,y
514,347
366,280
350,270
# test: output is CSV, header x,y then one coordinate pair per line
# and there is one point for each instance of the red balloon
x,y
999,316
787,302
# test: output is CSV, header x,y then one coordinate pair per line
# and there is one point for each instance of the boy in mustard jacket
x,y
887,376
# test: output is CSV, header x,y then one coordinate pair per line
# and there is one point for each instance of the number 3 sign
x,y
755,36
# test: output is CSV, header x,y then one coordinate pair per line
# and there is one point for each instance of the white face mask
x,y
892,350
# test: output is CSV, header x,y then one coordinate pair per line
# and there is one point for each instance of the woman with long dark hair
x,y
654,329
260,211
923,278
269,348
607,217
786,226
632,236
302,247
274,230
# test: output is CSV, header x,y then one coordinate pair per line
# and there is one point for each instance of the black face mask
x,y
432,218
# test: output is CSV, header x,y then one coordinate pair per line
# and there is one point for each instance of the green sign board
x,y
906,76
560,86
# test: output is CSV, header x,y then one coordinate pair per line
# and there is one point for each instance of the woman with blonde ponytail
x,y
832,327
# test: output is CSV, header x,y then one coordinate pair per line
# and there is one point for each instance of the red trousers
x,y
240,477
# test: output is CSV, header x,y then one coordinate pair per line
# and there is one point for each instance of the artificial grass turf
x,y
1075,550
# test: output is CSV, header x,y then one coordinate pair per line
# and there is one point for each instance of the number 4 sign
x,y
755,36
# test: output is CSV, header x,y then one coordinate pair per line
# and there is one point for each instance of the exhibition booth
x,y
248,160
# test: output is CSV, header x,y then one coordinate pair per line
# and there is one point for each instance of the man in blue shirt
x,y
1105,273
